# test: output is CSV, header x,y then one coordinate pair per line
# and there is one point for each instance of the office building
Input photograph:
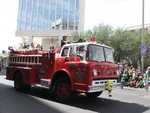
x,y
139,28
47,21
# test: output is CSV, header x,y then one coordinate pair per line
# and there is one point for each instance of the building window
x,y
38,15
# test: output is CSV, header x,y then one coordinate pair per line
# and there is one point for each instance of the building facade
x,y
49,20
139,28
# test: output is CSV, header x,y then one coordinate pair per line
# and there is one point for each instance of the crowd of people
x,y
131,77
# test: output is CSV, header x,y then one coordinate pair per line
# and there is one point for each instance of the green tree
x,y
125,43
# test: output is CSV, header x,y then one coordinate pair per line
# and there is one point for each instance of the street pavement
x,y
128,100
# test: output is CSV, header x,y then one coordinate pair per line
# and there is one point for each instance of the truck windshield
x,y
95,53
99,53
109,54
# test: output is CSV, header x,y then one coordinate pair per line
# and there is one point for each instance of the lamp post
x,y
142,37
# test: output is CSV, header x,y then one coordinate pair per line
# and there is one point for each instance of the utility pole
x,y
142,37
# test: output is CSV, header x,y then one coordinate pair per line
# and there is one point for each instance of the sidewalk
x,y
136,89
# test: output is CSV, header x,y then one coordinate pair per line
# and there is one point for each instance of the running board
x,y
45,82
40,86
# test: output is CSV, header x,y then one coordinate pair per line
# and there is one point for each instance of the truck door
x,y
64,56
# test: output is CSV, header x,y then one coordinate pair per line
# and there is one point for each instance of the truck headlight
x,y
95,73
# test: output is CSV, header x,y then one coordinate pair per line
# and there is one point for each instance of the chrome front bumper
x,y
100,85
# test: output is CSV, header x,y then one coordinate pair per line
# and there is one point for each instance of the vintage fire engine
x,y
76,68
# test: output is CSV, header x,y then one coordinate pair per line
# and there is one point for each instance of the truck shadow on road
x,y
16,102
100,105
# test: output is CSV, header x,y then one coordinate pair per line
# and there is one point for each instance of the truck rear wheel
x,y
62,89
94,95
18,85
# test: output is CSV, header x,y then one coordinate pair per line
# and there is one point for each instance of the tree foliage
x,y
125,43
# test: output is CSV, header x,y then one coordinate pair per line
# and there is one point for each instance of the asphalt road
x,y
38,101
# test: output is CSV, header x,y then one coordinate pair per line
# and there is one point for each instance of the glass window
x,y
95,53
109,54
77,5
39,14
65,52
72,51
81,52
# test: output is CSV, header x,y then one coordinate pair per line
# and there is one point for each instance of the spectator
x,y
64,41
147,78
120,71
32,45
124,79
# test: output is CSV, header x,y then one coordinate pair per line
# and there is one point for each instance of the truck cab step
x,y
45,82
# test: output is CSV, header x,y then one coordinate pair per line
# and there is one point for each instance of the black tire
x,y
94,95
26,88
18,84
62,90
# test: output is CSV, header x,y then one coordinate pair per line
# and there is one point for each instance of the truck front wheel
x,y
62,89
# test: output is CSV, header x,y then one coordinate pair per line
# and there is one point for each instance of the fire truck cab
x,y
78,67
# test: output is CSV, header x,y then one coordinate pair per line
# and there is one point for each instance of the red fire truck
x,y
76,68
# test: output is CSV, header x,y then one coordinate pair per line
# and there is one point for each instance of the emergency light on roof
x,y
93,39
